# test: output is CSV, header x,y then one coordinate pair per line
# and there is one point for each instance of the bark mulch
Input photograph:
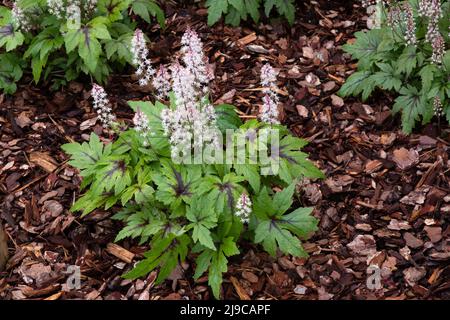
x,y
385,201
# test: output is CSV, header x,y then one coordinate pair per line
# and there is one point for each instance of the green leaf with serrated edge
x,y
356,83
216,263
252,7
215,10
412,104
282,200
251,173
300,222
227,118
287,9
366,45
203,217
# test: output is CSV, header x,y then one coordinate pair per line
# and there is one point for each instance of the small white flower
x,y
90,6
438,45
142,125
438,107
269,112
102,106
140,58
73,14
19,18
268,76
161,82
195,60
57,8
244,208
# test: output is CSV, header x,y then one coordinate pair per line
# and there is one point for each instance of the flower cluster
x,y
20,19
438,107
432,10
102,106
140,58
243,208
73,14
410,33
374,19
161,82
57,8
89,6
71,9
438,45
195,61
142,125
192,123
269,111
403,15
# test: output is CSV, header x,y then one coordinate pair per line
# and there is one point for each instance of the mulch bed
x,y
385,201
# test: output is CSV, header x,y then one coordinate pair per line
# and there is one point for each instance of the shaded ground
x,y
385,202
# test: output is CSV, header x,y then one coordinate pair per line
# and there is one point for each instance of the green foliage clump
x,y
182,209
408,55
61,39
237,10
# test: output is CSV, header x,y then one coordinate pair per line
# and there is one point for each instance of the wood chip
x,y
3,248
405,158
44,160
120,252
247,39
243,295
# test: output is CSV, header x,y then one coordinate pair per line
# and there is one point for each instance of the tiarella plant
x,y
237,10
60,39
182,207
408,53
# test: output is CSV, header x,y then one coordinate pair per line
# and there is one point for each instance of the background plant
x,y
408,55
198,209
61,39
237,10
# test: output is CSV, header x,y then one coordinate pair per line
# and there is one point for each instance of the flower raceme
x,y
269,111
161,82
140,58
102,106
195,61
401,18
243,208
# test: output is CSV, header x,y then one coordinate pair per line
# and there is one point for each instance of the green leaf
x,y
227,117
147,8
408,60
238,5
286,8
427,75
366,45
357,83
251,174
165,253
300,222
387,78
282,200
216,263
268,6
10,72
86,155
215,10
203,217
252,7
272,235
412,104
